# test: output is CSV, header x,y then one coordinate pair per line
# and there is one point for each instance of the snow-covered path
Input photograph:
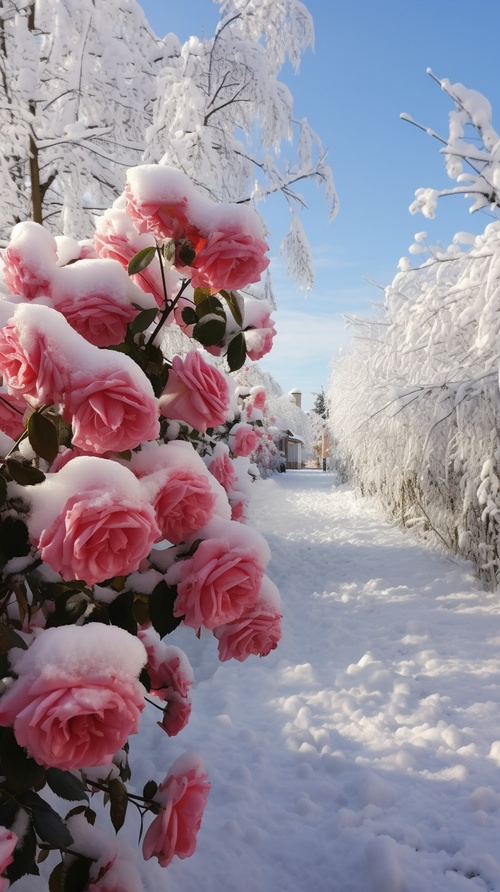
x,y
363,755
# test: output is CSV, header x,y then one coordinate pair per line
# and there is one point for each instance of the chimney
x,y
297,396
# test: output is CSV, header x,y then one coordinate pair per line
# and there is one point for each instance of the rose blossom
x,y
184,503
222,578
196,393
243,439
112,867
12,411
77,696
158,201
91,520
230,259
29,366
96,297
176,714
182,798
111,408
30,260
168,666
8,842
238,502
222,467
117,238
257,631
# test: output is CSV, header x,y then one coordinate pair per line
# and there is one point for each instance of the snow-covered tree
x,y
224,118
77,84
415,409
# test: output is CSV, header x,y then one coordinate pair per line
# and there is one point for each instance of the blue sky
x,y
368,66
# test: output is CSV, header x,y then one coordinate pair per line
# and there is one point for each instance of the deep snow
x,y
363,754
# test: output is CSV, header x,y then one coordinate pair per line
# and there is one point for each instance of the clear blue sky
x,y
368,66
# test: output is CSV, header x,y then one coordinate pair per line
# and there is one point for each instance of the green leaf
x,y
118,802
209,330
65,785
69,607
235,304
161,608
14,537
208,305
56,879
42,434
3,490
186,252
189,316
76,874
141,260
200,294
150,789
143,320
23,472
9,638
236,352
21,771
49,826
120,612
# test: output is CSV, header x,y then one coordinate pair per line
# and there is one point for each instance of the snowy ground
x,y
363,755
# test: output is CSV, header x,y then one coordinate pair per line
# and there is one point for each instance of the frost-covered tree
x,y
224,118
415,409
76,89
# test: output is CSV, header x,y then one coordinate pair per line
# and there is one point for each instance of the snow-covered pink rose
x,y
196,393
8,842
259,328
182,798
12,411
243,439
257,397
97,298
160,199
117,238
175,715
30,260
30,363
257,631
91,520
182,491
223,577
168,667
230,259
113,864
77,697
222,468
111,405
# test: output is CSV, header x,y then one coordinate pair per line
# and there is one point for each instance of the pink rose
x,y
184,503
117,238
222,468
112,867
77,696
182,798
91,520
96,297
243,439
30,260
238,504
257,631
258,398
12,411
112,408
223,577
157,200
259,328
230,259
29,365
196,393
8,842
168,666
176,714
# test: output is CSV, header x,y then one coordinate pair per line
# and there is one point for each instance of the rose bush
x,y
125,475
